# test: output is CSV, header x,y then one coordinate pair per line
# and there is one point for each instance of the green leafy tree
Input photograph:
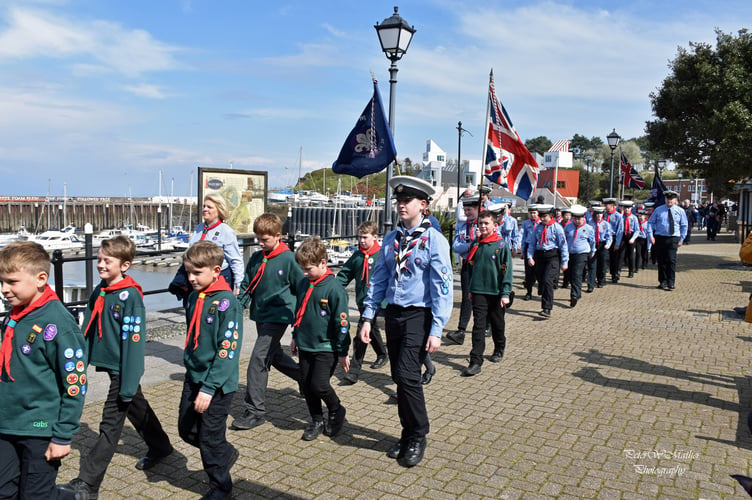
x,y
539,144
704,110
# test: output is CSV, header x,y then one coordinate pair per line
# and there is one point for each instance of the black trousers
x,y
487,309
466,308
546,271
577,262
665,254
206,431
407,330
627,253
359,348
94,463
316,370
529,274
641,253
597,265
614,263
24,472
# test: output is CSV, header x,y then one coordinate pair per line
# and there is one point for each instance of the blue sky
x,y
102,95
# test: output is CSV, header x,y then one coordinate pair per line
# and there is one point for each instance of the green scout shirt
x,y
353,269
122,344
325,326
491,272
48,365
214,362
273,300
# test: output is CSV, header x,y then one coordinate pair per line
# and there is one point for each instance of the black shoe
x,y
630,275
247,421
380,362
589,290
396,451
314,429
471,370
496,356
572,301
414,452
335,422
234,455
662,286
527,297
668,288
487,333
546,313
511,300
350,378
79,489
741,311
599,285
427,376
149,461
456,337
216,494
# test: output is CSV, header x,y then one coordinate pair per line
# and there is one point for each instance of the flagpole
x,y
485,134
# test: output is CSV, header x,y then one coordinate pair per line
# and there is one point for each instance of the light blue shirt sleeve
x,y
225,237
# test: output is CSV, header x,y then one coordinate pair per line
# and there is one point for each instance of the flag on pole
x,y
656,190
370,147
632,178
508,162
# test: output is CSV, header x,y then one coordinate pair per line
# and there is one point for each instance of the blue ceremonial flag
x,y
656,190
370,147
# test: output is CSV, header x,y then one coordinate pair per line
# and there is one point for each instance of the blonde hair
x,y
27,256
267,224
311,252
120,247
220,203
204,254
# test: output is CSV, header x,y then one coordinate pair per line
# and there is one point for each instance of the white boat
x,y
281,196
58,240
21,235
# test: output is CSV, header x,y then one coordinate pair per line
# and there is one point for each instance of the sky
x,y
101,97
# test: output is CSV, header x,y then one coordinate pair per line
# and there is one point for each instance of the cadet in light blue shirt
x,y
507,227
667,228
616,221
546,251
413,274
581,245
598,263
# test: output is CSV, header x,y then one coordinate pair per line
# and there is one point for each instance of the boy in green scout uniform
x,y
321,338
115,330
359,267
490,261
269,290
42,375
212,349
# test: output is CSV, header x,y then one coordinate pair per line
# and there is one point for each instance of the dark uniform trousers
x,y
141,416
24,472
316,370
359,348
546,271
206,431
466,308
597,265
614,261
627,253
665,254
641,253
577,263
407,330
487,310
529,272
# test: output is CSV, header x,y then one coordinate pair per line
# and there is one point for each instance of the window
x,y
439,157
561,184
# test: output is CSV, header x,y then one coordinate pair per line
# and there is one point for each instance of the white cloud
x,y
146,90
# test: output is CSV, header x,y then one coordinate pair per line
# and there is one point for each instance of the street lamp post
x,y
394,36
588,159
613,141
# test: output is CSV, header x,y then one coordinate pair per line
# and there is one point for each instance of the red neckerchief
x,y
96,312
301,311
544,234
470,226
195,325
626,225
16,314
281,247
608,218
367,253
494,236
576,230
209,228
598,231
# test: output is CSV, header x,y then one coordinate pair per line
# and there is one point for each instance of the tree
x,y
539,144
704,110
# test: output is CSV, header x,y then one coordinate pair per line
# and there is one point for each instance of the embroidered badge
x,y
30,338
418,261
80,366
280,272
222,353
137,328
342,315
126,319
423,241
68,353
72,378
444,270
82,378
231,355
26,349
212,310
79,353
73,390
37,328
228,334
116,315
224,304
69,366
235,335
322,312
343,322
123,295
210,320
136,337
234,346
225,344
230,324
493,256
116,308
83,390
124,336
343,330
137,320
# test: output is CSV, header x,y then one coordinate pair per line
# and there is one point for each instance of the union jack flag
x,y
508,162
632,178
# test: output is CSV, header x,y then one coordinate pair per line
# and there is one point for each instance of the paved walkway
x,y
635,393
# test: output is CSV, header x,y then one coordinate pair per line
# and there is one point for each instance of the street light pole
x,y
613,141
394,36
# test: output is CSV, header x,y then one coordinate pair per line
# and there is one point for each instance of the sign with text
x,y
244,192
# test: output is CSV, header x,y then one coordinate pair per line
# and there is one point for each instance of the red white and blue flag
x,y
632,178
508,162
